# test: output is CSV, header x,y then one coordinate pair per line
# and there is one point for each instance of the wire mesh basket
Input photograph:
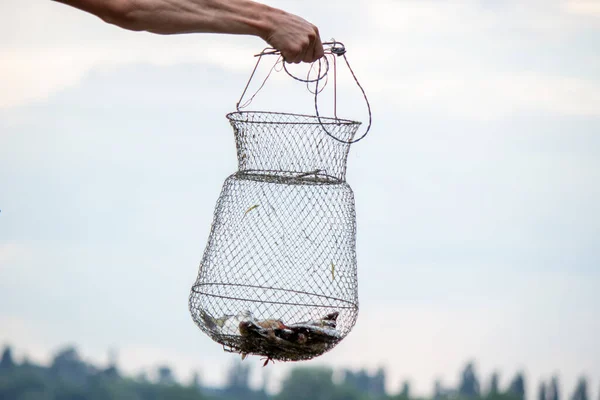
x,y
278,277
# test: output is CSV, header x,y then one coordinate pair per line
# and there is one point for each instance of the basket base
x,y
272,350
275,339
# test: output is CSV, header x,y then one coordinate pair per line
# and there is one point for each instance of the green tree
x,y
178,392
469,384
6,362
405,391
315,384
542,393
494,383
238,381
359,380
377,384
101,387
362,382
165,375
21,383
308,383
581,391
67,366
554,390
438,390
517,386
195,381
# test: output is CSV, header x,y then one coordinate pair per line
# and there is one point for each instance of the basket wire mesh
x,y
278,276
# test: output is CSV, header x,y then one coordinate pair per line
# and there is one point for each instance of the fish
x,y
271,324
214,323
252,329
327,321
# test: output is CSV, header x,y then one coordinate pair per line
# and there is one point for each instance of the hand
x,y
297,39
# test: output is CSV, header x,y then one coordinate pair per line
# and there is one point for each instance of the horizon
x,y
261,378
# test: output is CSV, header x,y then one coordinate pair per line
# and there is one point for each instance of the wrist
x,y
265,21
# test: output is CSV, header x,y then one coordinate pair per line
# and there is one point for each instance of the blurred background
x,y
477,195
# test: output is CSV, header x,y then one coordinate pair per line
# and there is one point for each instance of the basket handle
x,y
333,49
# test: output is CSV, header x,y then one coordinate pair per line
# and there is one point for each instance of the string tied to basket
x,y
332,48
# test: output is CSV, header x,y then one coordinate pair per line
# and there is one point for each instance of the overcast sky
x,y
477,192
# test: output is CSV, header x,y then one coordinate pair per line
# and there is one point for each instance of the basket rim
x,y
197,288
271,175
238,116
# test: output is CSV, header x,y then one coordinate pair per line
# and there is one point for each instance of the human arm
x,y
297,39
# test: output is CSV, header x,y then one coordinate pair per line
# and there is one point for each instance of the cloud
x,y
471,95
37,61
589,8
471,20
33,75
468,59
10,252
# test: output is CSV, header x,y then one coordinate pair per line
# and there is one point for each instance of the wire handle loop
x,y
334,49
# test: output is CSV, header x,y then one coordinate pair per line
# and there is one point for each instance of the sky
x,y
477,190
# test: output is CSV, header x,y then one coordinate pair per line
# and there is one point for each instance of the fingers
x,y
308,51
318,49
300,55
295,53
297,39
312,52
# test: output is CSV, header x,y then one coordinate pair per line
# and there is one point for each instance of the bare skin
x,y
297,39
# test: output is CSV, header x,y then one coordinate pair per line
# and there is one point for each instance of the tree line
x,y
68,377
